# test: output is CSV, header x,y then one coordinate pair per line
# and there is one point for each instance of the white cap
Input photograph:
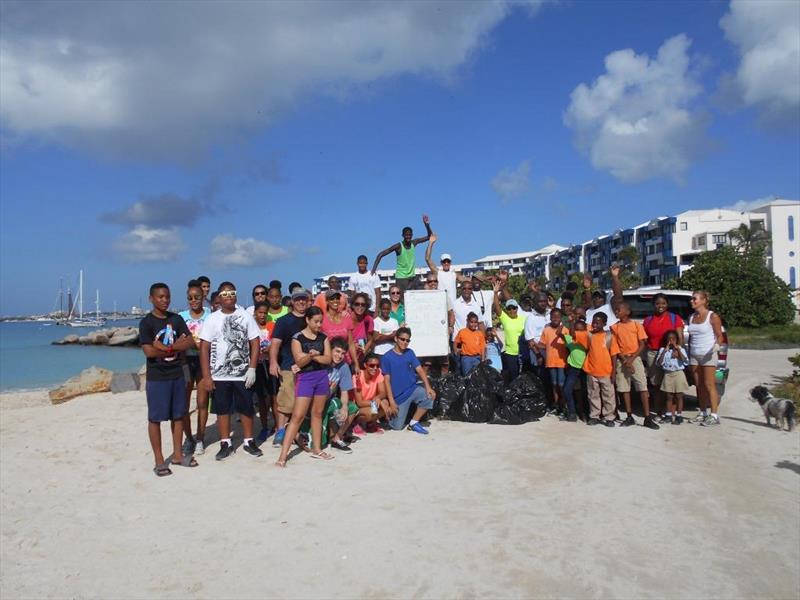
x,y
445,257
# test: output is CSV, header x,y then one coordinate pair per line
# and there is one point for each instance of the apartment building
x,y
783,221
515,264
386,276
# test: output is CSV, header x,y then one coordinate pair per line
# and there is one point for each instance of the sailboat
x,y
82,321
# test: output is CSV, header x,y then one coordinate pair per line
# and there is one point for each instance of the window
x,y
719,238
672,227
701,241
684,226
792,278
790,221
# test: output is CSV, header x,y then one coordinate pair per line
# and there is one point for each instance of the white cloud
x,y
148,244
228,251
748,205
167,79
636,120
767,36
510,184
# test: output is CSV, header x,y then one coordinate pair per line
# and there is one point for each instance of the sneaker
x,y
252,449
710,421
650,423
351,439
572,418
665,420
628,422
188,447
610,423
678,420
225,450
698,419
341,446
418,428
358,430
199,447
593,422
278,439
263,435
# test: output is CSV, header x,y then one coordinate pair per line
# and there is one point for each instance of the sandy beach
x,y
548,509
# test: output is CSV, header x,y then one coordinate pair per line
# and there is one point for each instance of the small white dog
x,y
780,409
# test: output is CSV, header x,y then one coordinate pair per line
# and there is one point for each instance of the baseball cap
x,y
512,302
445,257
300,293
598,294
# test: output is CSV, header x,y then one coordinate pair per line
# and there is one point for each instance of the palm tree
x,y
746,238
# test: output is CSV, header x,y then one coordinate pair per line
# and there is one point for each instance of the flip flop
x,y
322,456
162,470
186,461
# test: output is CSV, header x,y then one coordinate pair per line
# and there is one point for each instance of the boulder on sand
x,y
122,336
124,382
91,381
68,339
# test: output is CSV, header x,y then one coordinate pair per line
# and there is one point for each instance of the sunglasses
x,y
375,366
259,293
395,293
403,339
194,297
358,304
227,294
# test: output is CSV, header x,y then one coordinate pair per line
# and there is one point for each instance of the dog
x,y
783,411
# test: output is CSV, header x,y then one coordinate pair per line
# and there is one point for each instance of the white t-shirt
x,y
366,283
605,308
447,282
385,328
535,324
229,336
461,309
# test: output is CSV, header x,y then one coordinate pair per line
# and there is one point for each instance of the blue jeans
x,y
573,375
418,397
468,363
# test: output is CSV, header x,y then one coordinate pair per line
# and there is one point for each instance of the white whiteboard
x,y
426,315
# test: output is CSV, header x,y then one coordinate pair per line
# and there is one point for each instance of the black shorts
x,y
264,382
166,400
193,363
230,397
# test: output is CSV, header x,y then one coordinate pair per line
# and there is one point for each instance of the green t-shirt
x,y
274,317
399,315
577,353
512,328
406,262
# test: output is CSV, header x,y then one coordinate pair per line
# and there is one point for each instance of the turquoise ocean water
x,y
29,361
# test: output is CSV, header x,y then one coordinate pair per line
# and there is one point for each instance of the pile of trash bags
x,y
480,397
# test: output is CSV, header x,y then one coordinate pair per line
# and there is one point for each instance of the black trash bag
x,y
524,401
449,396
480,395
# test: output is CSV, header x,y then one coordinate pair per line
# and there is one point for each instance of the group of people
x,y
324,371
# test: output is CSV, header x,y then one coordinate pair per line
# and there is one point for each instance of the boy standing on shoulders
x,y
401,368
164,337
229,352
628,341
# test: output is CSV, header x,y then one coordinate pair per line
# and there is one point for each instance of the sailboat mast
x,y
97,305
80,294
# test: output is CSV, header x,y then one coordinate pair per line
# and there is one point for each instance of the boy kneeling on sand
x,y
164,337
229,353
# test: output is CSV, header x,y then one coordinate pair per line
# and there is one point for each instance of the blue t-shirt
x,y
285,329
401,368
493,355
340,375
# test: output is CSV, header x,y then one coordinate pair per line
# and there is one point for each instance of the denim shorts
x,y
230,397
418,397
166,400
557,375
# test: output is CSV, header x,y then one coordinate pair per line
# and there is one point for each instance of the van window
x,y
642,305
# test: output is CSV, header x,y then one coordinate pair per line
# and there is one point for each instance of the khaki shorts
x,y
285,395
674,382
709,359
624,379
654,373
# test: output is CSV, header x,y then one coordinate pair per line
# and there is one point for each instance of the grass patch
x,y
763,338
789,387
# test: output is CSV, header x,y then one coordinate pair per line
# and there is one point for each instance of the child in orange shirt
x,y
470,345
555,350
598,368
628,341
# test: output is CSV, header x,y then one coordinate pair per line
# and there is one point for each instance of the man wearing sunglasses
x,y
401,367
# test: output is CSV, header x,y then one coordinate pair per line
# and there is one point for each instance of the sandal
x,y
186,461
322,456
162,470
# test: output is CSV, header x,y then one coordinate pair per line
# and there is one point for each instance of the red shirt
x,y
656,326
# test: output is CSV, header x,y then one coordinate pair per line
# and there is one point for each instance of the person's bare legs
x,y
187,418
202,412
247,426
626,398
710,385
298,414
262,412
177,439
697,375
224,426
154,433
419,413
669,403
645,398
317,406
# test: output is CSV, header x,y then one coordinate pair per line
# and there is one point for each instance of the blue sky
x,y
259,141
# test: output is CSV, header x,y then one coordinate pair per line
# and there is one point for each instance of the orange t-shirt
x,y
598,359
473,343
626,337
368,389
555,348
